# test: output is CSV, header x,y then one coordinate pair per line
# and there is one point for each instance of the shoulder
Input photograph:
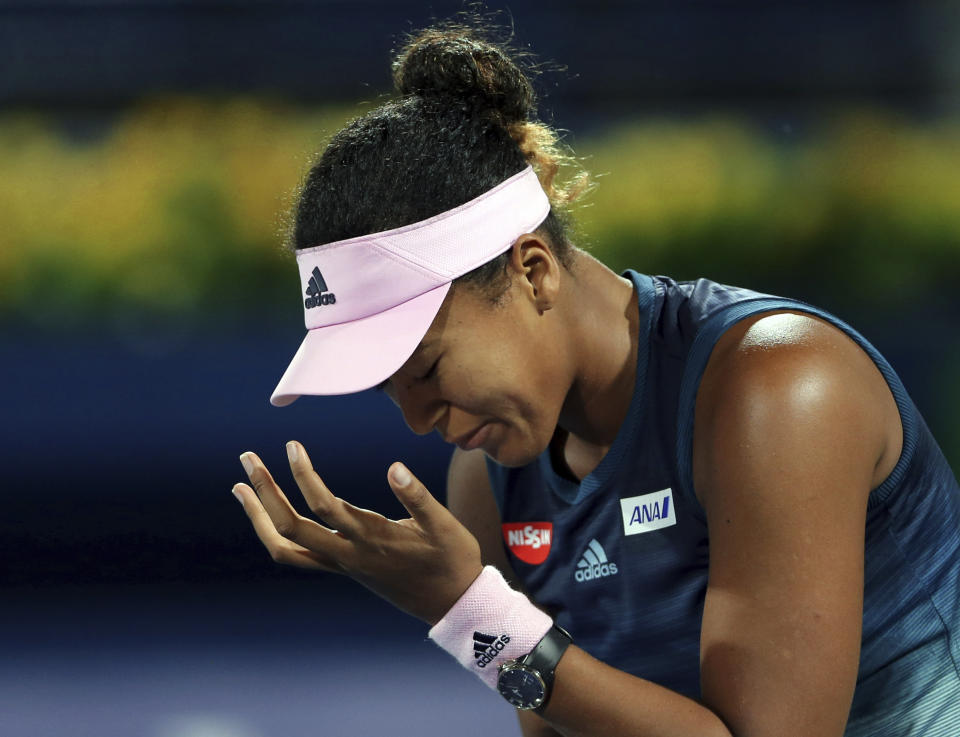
x,y
791,383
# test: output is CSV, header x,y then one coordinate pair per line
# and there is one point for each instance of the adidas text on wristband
x,y
490,625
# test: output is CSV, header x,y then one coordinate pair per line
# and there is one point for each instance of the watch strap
x,y
545,656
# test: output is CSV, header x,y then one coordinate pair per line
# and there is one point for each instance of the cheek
x,y
527,417
518,444
516,379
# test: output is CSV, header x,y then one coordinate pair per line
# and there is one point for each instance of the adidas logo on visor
x,y
486,648
594,564
317,292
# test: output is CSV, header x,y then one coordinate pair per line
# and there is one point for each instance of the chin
x,y
509,461
515,455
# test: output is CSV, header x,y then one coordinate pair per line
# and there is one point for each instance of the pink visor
x,y
368,301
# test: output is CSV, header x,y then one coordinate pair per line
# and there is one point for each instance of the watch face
x,y
521,686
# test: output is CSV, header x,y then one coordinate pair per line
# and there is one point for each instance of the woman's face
x,y
504,366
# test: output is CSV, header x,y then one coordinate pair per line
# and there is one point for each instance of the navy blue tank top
x,y
621,558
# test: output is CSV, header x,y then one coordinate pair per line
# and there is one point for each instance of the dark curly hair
x,y
463,123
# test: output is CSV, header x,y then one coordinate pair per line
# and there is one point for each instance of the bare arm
x,y
795,426
471,501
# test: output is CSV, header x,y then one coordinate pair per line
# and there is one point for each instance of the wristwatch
x,y
526,682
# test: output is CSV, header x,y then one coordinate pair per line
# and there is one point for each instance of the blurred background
x,y
149,150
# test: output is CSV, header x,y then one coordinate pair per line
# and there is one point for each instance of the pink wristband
x,y
489,625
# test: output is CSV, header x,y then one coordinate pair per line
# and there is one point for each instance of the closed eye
x,y
433,369
431,372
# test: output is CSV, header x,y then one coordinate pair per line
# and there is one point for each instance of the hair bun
x,y
455,61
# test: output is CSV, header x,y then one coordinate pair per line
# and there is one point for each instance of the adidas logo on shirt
x,y
594,564
315,291
486,648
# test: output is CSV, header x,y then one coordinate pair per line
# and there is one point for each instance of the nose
x,y
420,406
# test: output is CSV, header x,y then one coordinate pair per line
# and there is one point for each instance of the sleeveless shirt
x,y
621,558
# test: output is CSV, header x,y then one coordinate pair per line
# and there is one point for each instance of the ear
x,y
533,261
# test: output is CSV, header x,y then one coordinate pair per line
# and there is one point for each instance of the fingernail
x,y
292,452
247,460
401,476
236,493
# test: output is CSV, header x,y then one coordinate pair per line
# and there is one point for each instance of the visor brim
x,y
357,355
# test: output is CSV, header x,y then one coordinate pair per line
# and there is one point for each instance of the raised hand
x,y
421,564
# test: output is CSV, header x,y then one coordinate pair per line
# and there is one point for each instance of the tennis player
x,y
676,508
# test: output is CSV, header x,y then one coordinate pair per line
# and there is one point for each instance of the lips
x,y
473,439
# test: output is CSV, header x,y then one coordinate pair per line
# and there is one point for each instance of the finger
x,y
333,510
280,548
284,518
430,514
274,501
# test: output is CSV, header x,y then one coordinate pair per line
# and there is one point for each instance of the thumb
x,y
415,498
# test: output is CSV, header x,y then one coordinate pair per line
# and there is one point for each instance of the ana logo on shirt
x,y
648,512
529,541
